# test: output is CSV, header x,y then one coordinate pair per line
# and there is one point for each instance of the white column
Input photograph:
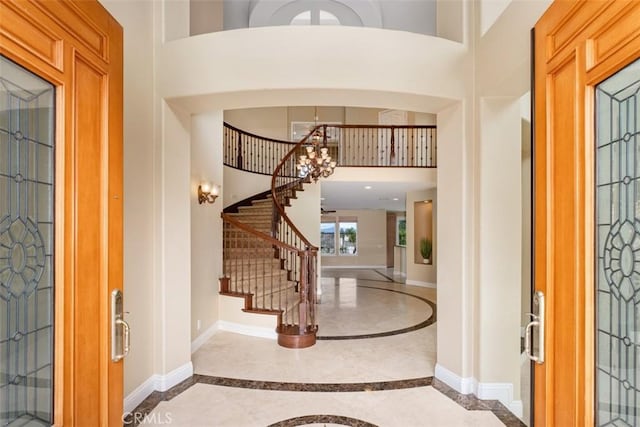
x,y
206,224
500,247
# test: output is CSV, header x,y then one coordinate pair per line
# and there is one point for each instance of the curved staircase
x,y
267,261
263,270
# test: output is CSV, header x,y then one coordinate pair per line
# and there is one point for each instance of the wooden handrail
x,y
263,236
244,132
274,189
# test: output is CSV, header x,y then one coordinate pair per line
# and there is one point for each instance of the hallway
x,y
368,368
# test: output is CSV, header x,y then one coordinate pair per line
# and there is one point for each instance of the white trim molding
x,y
204,337
253,331
157,382
461,385
421,284
346,267
175,377
138,395
503,392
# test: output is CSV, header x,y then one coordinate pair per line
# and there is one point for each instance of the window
x,y
315,17
302,19
348,234
328,238
341,233
401,231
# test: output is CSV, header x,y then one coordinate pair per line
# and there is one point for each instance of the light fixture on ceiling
x,y
316,161
207,193
395,199
368,187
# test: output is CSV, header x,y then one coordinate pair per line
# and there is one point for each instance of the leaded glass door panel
x,y
618,245
60,213
587,212
26,246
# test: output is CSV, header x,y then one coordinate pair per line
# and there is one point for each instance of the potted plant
x,y
426,246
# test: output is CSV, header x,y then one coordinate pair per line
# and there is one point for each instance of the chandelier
x,y
316,162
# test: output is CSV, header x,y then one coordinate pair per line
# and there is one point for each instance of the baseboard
x,y
461,385
204,337
156,383
364,267
421,284
253,331
138,395
175,377
502,392
517,408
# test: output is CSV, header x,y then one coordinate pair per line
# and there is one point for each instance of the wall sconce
x,y
207,193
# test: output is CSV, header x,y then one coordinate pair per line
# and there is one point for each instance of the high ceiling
x,y
382,195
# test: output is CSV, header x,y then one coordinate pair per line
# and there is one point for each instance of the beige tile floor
x,y
345,309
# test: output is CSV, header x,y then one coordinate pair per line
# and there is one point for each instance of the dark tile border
x,y
472,403
322,419
467,401
135,417
431,320
314,387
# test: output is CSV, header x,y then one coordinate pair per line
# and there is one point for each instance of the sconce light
x,y
207,193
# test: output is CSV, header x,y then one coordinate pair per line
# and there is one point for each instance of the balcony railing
x,y
350,145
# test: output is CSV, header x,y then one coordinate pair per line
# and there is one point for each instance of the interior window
x,y
328,238
328,18
303,18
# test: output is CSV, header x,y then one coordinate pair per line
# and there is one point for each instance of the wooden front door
x,y
71,218
587,212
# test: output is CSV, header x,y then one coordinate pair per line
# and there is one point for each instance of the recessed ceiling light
x,y
395,199
368,187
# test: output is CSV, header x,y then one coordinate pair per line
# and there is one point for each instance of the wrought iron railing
x,y
350,145
253,153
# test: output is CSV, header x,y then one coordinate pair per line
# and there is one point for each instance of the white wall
x,y
240,185
206,224
371,240
500,238
139,145
454,353
206,71
418,273
266,122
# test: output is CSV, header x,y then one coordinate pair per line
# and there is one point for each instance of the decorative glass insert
x,y
618,249
26,247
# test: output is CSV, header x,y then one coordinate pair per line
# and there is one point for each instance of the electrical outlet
x,y
198,324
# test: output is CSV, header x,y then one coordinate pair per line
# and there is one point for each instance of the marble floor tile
x,y
373,365
207,405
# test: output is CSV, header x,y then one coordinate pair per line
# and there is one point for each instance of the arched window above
x,y
317,12
328,18
315,17
303,18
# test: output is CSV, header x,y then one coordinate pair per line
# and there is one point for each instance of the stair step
x,y
285,299
243,275
266,215
256,208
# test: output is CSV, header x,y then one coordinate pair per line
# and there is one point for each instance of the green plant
x,y
426,246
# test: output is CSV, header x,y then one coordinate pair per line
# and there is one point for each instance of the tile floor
x,y
373,366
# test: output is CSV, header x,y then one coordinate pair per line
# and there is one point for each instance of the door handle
x,y
537,322
120,330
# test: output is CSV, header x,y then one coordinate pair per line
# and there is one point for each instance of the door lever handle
x,y
126,337
120,330
537,321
